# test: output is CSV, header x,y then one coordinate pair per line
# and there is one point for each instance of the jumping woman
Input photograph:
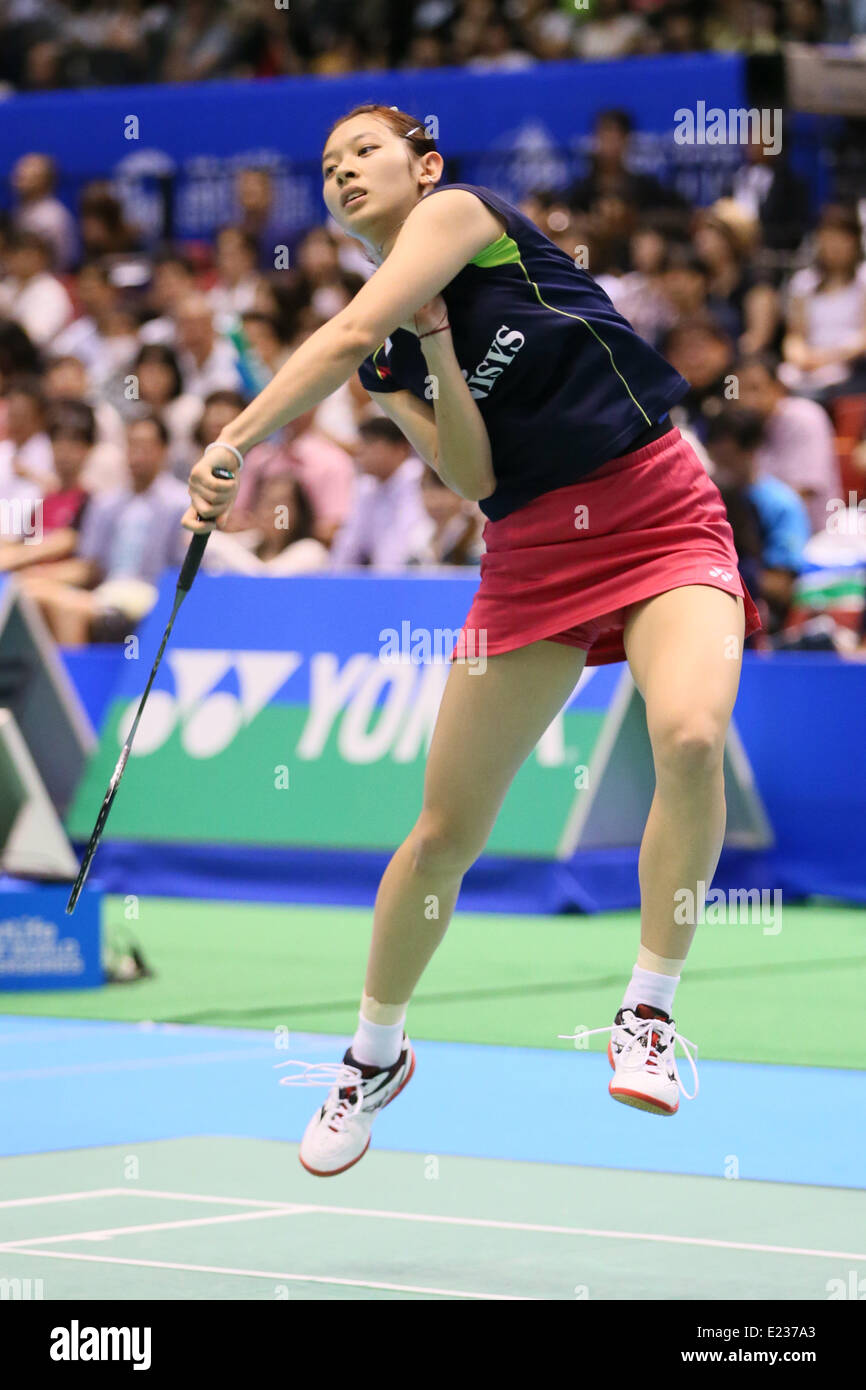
x,y
512,375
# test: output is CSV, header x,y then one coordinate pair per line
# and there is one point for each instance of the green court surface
x,y
212,1218
750,993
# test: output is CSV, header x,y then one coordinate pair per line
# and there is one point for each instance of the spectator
x,y
825,345
639,294
610,177
207,362
129,537
85,336
733,439
703,353
103,228
499,51
325,470
456,538
676,29
219,409
613,32
280,540
321,274
550,31
19,356
66,379
120,345
160,391
388,521
427,51
743,27
740,300
798,446
26,460
72,431
200,42
171,283
765,188
685,283
267,351
39,210
235,290
254,196
31,294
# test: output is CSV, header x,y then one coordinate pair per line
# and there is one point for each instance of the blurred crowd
x,y
48,44
118,366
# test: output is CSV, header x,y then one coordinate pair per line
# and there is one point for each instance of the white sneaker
x,y
338,1135
641,1051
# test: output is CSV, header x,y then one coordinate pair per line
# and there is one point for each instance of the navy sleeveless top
x,y
562,381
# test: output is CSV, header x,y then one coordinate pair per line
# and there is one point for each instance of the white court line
x,y
61,1197
139,1063
472,1221
274,1274
536,1226
107,1232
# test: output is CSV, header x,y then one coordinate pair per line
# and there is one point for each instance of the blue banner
x,y
509,131
281,755
40,946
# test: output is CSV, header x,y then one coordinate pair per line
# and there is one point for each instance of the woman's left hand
x,y
431,315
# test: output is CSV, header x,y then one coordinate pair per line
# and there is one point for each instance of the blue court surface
x,y
160,1161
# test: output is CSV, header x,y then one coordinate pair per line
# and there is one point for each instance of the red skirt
x,y
567,566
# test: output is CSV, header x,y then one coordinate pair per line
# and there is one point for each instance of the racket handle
x,y
195,549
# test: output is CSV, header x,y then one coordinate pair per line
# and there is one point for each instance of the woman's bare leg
x,y
684,648
488,724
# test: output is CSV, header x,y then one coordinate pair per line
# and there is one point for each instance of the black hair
x,y
150,417
166,357
384,429
302,506
18,353
248,239
615,115
701,324
769,362
269,320
224,397
745,428
31,387
72,418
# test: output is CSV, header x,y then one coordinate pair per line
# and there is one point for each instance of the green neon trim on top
x,y
375,363
502,251
505,251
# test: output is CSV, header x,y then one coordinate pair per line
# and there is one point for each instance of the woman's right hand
x,y
212,498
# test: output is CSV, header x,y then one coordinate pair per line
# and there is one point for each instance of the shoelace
x,y
641,1032
339,1076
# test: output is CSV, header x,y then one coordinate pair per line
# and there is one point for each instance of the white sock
x,y
650,987
377,1044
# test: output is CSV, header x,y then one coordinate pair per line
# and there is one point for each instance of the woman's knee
x,y
443,846
689,745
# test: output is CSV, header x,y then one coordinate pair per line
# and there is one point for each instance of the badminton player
x,y
513,376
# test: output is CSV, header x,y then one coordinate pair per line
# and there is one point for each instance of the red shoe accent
x,y
333,1172
639,1101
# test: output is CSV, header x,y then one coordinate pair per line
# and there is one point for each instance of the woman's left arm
x,y
439,237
